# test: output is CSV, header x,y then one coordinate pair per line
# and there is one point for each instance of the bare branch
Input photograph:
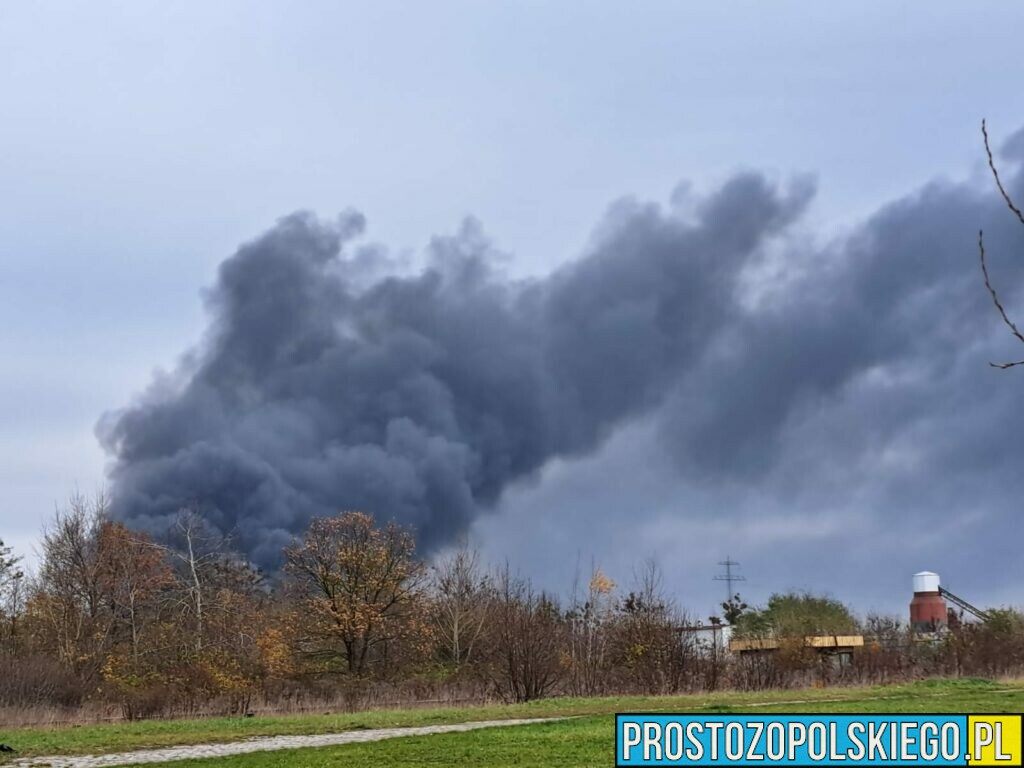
x,y
995,174
999,305
981,253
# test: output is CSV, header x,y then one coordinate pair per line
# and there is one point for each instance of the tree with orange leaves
x,y
362,590
132,573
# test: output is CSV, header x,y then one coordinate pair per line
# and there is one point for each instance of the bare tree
x,y
8,562
658,656
70,589
199,547
12,595
463,601
591,619
525,641
981,253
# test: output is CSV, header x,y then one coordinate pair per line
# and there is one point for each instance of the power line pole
x,y
729,577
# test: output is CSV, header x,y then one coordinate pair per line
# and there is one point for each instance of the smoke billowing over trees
x,y
831,379
421,397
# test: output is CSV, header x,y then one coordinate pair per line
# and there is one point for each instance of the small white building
x,y
709,639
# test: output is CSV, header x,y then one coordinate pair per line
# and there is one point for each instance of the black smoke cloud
x,y
330,380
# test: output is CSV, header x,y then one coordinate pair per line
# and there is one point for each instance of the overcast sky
x,y
141,143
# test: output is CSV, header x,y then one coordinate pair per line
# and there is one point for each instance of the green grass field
x,y
585,740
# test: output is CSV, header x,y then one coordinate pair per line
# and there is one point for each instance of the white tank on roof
x,y
926,581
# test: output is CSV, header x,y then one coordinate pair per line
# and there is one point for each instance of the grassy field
x,y
583,741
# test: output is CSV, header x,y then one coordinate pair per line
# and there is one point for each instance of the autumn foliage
x,y
117,622
361,601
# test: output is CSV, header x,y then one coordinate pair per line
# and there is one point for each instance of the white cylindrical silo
x,y
926,581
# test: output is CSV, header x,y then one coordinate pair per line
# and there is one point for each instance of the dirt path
x,y
259,744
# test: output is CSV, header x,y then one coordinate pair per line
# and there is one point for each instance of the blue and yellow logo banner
x,y
804,740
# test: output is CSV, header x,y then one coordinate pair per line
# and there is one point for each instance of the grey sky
x,y
141,142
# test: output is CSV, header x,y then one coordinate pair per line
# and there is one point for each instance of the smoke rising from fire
x,y
330,380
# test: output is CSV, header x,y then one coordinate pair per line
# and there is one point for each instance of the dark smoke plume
x,y
803,374
420,398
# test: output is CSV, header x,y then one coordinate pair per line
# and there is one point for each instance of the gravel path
x,y
259,744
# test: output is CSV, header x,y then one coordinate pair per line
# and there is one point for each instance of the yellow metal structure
x,y
821,642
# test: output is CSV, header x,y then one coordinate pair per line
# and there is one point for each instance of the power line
x,y
729,577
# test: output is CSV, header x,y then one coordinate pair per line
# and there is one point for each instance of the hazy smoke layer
x,y
328,381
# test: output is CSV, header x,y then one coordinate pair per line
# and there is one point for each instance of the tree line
x,y
117,623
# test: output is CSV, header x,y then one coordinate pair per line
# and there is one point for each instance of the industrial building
x,y
929,609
